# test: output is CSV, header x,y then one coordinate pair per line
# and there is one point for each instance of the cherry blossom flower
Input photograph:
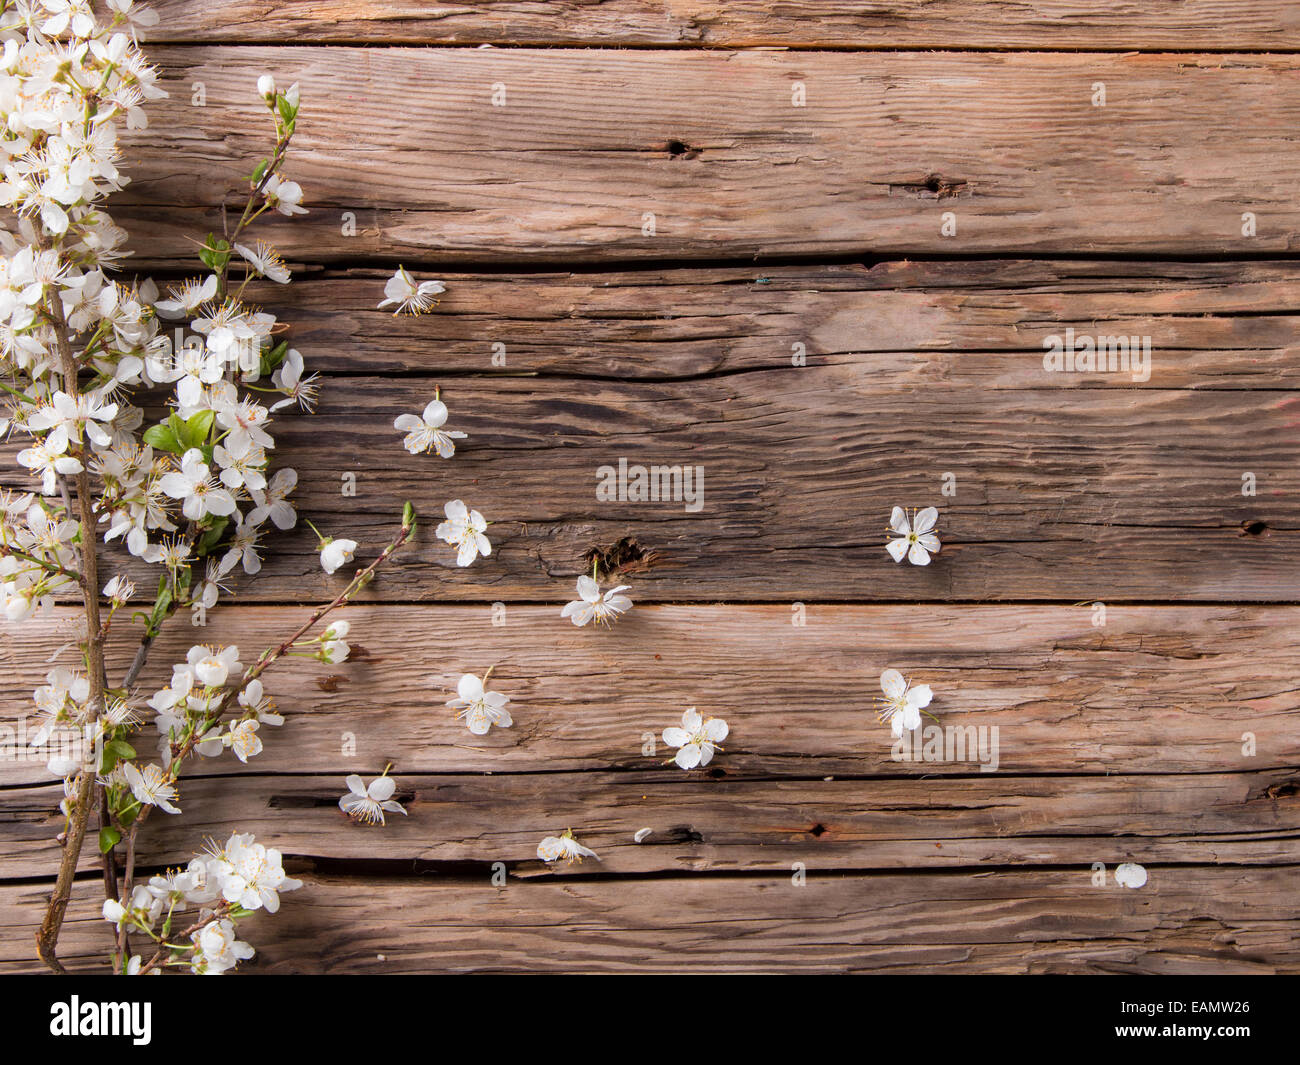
x,y
150,786
410,298
902,704
591,605
480,708
243,740
463,529
274,502
265,260
212,666
250,874
367,804
424,432
188,297
284,196
564,847
914,538
336,553
217,949
696,740
201,494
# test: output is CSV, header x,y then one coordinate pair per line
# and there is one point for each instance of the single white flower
x,y
274,502
480,708
266,86
424,432
1130,875
243,740
401,290
696,740
211,666
150,786
284,196
902,704
216,949
555,848
265,260
119,590
202,494
591,605
914,538
367,804
463,529
336,553
254,700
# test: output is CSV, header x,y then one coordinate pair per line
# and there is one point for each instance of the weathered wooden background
x,y
775,226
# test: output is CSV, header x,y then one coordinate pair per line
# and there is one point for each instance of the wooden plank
x,y
590,142
1245,818
1212,325
1156,690
1060,495
1211,24
1188,919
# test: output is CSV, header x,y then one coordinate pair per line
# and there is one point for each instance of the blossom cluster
x,y
210,895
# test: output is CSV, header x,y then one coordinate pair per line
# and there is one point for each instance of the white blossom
x,y
367,804
424,432
592,606
914,538
336,553
564,847
696,739
463,529
402,291
902,704
150,786
479,708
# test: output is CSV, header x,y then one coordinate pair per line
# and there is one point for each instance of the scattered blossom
x,y
424,432
696,739
479,708
914,537
902,704
463,529
368,803
564,847
592,606
402,291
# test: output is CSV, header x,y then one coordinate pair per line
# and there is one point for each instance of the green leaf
x,y
273,357
162,438
193,432
211,535
123,750
108,839
260,172
215,253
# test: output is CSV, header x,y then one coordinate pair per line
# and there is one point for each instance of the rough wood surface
x,y
978,325
1068,486
1269,25
1156,690
1189,919
703,825
589,142
1165,735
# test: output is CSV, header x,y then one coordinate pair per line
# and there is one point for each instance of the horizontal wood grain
x,y
1156,690
702,825
1212,325
589,141
1212,24
1187,919
1131,494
